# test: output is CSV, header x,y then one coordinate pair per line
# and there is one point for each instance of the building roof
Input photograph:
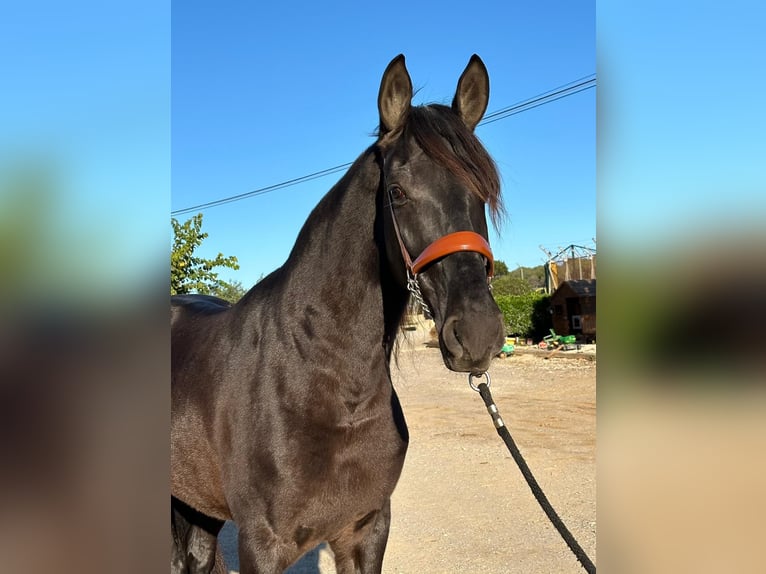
x,y
581,287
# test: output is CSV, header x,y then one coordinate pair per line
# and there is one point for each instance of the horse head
x,y
436,180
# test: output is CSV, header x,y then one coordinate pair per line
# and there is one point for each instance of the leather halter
x,y
438,249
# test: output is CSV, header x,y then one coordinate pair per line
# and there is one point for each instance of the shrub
x,y
525,315
510,285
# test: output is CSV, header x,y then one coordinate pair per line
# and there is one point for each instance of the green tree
x,y
500,268
535,276
231,291
190,273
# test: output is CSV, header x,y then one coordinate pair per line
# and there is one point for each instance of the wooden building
x,y
573,306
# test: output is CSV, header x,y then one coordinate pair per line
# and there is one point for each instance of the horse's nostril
x,y
457,335
450,337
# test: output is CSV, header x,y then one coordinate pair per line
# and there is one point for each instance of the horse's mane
x,y
444,138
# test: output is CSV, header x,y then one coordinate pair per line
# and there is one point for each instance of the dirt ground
x,y
462,505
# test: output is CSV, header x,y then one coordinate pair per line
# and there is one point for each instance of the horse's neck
x,y
331,288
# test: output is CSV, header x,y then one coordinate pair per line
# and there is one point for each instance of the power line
x,y
563,91
262,190
557,93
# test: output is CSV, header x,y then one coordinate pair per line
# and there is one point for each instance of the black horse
x,y
284,418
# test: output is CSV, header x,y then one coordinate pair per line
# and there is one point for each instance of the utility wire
x,y
558,93
551,96
262,190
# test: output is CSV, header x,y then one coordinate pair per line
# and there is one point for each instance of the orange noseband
x,y
453,243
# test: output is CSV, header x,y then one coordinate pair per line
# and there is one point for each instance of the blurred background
x,y
681,206
84,346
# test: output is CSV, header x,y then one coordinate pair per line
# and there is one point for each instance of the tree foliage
x,y
231,291
190,273
519,280
501,268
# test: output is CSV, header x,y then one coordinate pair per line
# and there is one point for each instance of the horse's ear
x,y
472,95
394,96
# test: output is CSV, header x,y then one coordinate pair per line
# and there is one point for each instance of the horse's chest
x,y
311,471
351,470
356,457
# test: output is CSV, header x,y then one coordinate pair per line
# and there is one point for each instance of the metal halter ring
x,y
478,375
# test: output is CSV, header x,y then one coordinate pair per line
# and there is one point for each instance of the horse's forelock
x,y
443,137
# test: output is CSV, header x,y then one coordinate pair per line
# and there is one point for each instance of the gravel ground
x,y
461,504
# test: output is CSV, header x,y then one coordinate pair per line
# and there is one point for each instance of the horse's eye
x,y
397,194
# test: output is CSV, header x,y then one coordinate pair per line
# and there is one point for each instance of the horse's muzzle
x,y
469,343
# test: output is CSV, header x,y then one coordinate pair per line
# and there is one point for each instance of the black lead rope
x,y
502,430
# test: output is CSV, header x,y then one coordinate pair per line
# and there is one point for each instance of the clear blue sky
x,y
267,92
